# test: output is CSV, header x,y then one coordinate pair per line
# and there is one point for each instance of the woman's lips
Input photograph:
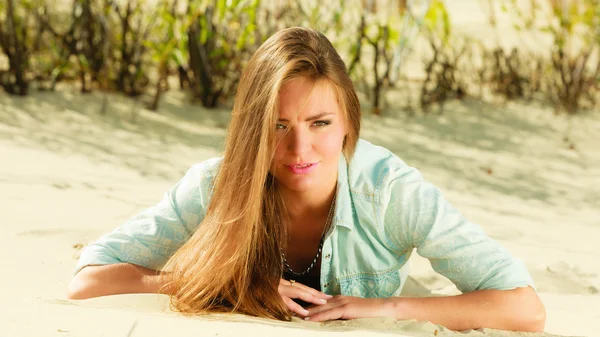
x,y
302,168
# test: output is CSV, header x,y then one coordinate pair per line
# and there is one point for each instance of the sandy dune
x,y
69,174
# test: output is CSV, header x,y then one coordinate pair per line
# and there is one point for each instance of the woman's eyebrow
x,y
311,118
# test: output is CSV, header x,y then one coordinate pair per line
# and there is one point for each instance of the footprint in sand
x,y
61,186
564,278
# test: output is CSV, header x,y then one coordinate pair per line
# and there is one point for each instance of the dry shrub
x,y
443,80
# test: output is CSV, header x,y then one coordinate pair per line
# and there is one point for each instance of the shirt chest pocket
x,y
376,285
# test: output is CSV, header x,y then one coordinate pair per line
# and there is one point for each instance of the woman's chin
x,y
300,184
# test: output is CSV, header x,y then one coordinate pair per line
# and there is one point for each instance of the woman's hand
x,y
290,290
347,307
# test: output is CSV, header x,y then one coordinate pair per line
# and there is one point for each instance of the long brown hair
x,y
233,261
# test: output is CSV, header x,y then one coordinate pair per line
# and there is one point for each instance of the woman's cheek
x,y
332,141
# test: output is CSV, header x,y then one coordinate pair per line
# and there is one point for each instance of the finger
x,y
313,291
338,299
300,291
306,288
296,292
321,308
335,302
295,307
327,315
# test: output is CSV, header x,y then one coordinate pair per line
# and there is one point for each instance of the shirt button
x,y
327,256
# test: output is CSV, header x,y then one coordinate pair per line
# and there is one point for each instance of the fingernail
x,y
323,301
307,318
329,296
305,312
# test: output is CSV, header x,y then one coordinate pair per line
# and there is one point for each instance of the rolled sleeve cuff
x,y
507,275
94,254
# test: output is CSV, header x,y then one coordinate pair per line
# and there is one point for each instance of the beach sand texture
x,y
69,174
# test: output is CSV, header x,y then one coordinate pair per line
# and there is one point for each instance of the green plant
x,y
86,40
382,33
135,26
442,80
16,26
219,40
574,83
573,75
167,47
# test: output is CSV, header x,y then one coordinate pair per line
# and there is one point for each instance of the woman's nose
x,y
299,141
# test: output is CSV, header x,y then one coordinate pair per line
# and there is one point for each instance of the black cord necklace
x,y
314,262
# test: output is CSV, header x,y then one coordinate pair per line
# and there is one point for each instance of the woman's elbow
x,y
538,319
76,294
533,312
84,285
79,288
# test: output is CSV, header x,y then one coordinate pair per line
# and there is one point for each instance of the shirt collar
x,y
343,215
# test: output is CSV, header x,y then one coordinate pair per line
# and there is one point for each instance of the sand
x,y
70,173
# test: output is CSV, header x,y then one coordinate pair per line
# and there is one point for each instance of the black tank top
x,y
312,280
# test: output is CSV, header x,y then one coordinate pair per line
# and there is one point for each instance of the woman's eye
x,y
321,123
279,126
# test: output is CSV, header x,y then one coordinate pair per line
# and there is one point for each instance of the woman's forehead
x,y
305,97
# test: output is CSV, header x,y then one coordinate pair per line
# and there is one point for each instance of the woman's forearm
x,y
121,278
518,310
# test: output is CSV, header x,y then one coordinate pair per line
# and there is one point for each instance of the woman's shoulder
x,y
370,159
202,174
208,167
366,150
374,167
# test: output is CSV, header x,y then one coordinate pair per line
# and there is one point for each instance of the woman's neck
x,y
307,204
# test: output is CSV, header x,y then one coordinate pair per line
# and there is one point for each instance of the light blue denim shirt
x,y
384,211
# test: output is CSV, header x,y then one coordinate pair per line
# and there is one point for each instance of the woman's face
x,y
309,134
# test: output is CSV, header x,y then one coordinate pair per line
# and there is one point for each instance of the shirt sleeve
x,y
149,238
418,216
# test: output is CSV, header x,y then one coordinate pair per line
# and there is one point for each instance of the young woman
x,y
299,210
